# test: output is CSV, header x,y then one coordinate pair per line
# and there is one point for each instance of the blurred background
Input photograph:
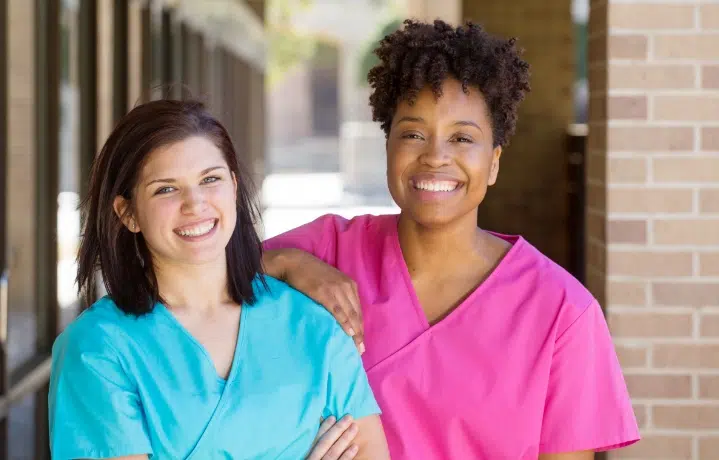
x,y
613,172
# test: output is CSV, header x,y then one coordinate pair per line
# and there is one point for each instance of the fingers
x,y
342,315
335,441
343,445
339,295
350,324
341,306
325,426
353,312
350,453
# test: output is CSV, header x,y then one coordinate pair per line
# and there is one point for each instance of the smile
x,y
435,186
195,230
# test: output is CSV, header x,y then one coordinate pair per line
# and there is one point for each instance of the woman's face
x,y
185,203
440,157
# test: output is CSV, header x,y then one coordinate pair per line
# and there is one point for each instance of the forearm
x,y
371,439
278,262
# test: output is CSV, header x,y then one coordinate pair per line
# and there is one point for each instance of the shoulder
x,y
99,329
357,224
554,284
282,304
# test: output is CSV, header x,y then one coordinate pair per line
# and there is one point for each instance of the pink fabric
x,y
525,365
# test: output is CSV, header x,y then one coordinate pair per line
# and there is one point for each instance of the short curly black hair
x,y
423,54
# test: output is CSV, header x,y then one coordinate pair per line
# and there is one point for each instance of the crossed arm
x,y
347,439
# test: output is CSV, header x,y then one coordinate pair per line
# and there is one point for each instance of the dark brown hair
x,y
423,54
122,256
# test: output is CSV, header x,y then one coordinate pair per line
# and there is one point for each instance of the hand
x,y
334,440
324,284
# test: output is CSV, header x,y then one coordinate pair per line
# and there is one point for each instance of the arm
x,y
278,263
372,442
86,374
348,440
322,283
587,407
349,395
130,457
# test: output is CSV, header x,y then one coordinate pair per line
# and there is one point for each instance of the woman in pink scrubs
x,y
476,345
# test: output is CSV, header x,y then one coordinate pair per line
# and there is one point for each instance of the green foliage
x,y
286,47
369,59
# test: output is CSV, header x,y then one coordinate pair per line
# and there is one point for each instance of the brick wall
x,y
653,213
531,193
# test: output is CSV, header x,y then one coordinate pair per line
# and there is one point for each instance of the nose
x,y
193,201
435,155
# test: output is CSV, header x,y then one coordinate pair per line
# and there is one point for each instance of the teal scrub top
x,y
125,385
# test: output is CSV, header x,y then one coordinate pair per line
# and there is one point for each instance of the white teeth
x,y
432,186
199,230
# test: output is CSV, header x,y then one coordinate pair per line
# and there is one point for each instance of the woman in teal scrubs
x,y
194,353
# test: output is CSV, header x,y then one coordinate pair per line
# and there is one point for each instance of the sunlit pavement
x,y
291,200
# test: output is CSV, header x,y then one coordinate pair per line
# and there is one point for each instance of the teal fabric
x,y
122,385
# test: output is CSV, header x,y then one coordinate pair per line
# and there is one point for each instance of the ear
x,y
121,207
494,167
234,181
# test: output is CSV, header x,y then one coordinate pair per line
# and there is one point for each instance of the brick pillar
x,y
530,196
653,213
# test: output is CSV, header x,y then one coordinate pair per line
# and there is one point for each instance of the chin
x,y
432,219
439,216
205,258
202,254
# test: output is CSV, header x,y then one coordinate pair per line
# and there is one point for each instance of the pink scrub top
x,y
524,365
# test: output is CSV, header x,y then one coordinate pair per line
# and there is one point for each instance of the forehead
x,y
188,156
453,104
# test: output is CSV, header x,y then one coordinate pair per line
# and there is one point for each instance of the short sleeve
x,y
317,238
94,409
348,389
588,405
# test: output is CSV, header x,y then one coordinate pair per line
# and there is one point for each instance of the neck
x,y
193,287
439,249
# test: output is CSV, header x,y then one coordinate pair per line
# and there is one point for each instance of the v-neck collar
x,y
516,241
239,345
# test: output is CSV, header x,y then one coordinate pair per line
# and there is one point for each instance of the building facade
x,y
70,69
629,201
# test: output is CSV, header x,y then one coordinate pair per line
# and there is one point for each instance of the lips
x,y
434,182
435,186
197,229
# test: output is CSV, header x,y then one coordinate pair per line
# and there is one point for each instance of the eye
x,y
164,190
210,179
463,139
414,136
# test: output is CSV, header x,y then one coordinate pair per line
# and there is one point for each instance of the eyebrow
x,y
467,123
421,120
204,171
410,120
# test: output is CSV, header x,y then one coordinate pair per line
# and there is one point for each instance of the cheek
x,y
156,214
224,199
478,164
397,163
